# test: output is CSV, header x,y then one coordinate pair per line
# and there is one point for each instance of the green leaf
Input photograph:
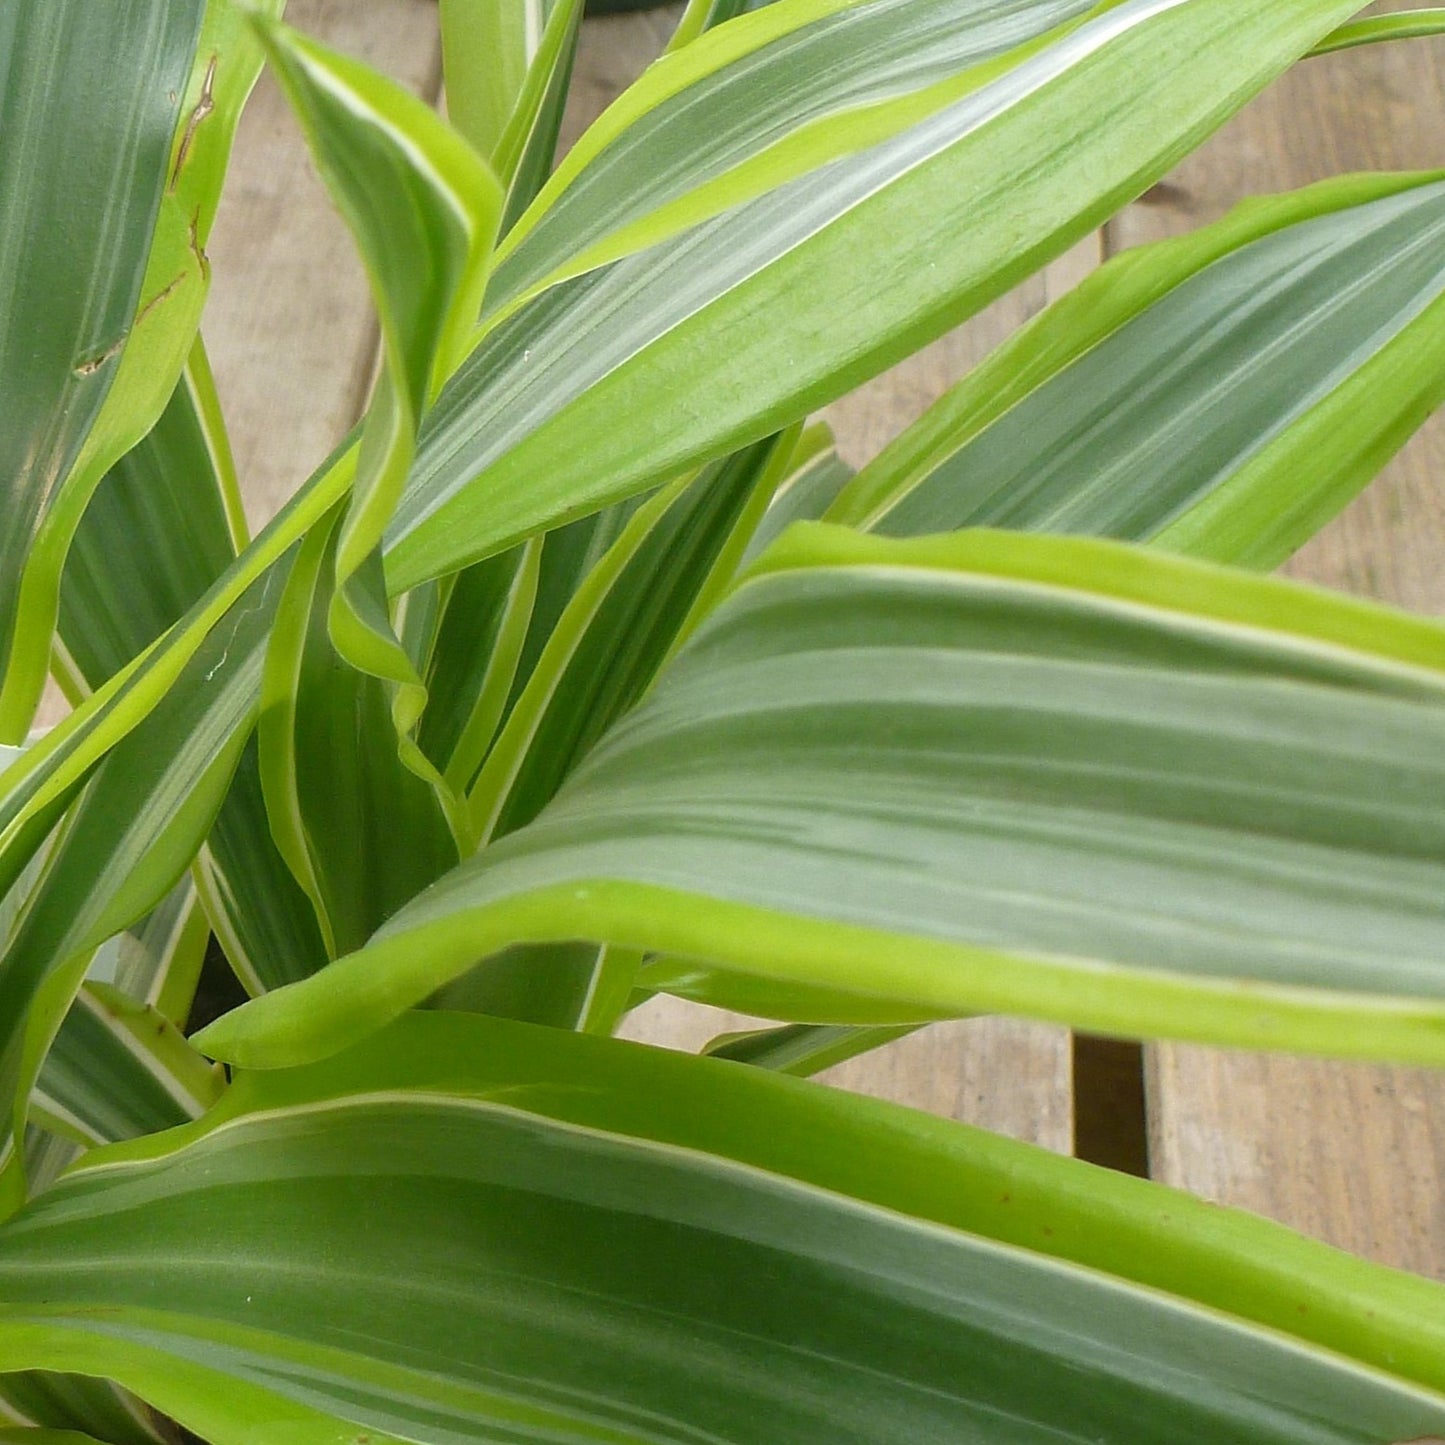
x,y
163,525
126,843
606,1243
700,16
487,49
1224,394
528,147
774,307
162,528
894,781
119,1069
96,1409
46,1437
624,619
144,181
423,209
37,787
262,918
1403,25
33,791
746,110
99,188
817,474
157,961
474,663
580,986
361,832
569,555
802,1049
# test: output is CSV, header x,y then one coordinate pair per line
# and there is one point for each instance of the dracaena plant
x,y
584,670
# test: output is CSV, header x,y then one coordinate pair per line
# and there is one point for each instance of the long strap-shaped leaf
x,y
673,555
528,147
33,790
119,1070
889,781
263,920
94,1408
803,1049
1404,25
39,783
157,960
626,617
69,302
473,667
776,306
487,48
126,843
816,477
423,209
743,111
163,525
47,1437
1223,394
360,831
145,195
161,530
482,1231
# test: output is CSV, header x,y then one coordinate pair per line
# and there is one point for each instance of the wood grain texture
x,y
1000,1074
1354,1155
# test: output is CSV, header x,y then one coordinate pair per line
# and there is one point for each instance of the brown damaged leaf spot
x,y
158,298
198,250
203,107
89,368
92,364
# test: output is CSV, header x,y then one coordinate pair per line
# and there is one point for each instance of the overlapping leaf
x,y
266,925
744,111
775,306
474,661
623,621
163,525
488,47
423,209
528,146
360,832
1400,25
890,781
482,1230
72,305
1224,394
157,961
127,842
145,195
803,1049
120,1070
1007,125
91,1408
817,474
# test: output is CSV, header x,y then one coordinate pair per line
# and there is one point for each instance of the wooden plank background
x,y
1354,1155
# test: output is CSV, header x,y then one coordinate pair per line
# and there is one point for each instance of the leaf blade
x,y
905,1243
1306,320
725,297
1214,742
